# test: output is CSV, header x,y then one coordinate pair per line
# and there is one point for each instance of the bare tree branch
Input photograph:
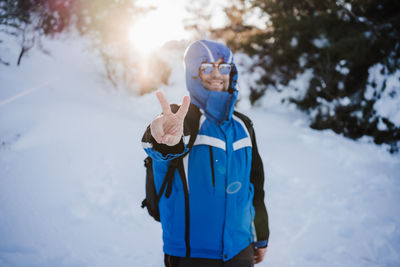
x,y
4,62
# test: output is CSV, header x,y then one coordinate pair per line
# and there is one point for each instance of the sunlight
x,y
156,28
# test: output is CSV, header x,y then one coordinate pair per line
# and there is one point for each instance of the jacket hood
x,y
218,106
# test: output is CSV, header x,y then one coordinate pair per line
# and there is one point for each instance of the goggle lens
x,y
207,68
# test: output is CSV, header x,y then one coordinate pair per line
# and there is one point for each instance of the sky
x,y
160,25
165,23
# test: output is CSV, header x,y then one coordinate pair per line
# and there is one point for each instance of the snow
x,y
72,175
320,42
294,42
341,67
388,89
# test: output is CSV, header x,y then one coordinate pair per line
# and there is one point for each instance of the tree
x,y
30,20
339,42
106,22
199,22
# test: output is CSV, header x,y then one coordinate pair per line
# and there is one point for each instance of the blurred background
x,y
347,51
320,80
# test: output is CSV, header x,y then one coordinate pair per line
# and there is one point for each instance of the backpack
x,y
152,196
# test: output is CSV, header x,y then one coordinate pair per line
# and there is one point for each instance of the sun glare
x,y
157,27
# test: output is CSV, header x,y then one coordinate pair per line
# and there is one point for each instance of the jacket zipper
x,y
212,166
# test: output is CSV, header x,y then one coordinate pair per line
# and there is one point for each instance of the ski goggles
x,y
207,68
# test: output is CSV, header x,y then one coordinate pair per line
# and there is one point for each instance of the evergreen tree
x,y
339,42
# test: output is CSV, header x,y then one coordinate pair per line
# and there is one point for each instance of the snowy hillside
x,y
72,175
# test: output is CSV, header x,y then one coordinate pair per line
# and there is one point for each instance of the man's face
x,y
215,81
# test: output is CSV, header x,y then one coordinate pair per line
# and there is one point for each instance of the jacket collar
x,y
217,106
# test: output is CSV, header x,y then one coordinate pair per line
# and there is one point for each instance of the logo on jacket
x,y
233,187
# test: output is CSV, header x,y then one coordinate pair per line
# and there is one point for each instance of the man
x,y
208,216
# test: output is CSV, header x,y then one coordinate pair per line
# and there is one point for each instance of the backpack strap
x,y
167,180
193,119
183,178
192,126
249,124
192,123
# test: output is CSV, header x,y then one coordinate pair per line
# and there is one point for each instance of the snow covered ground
x,y
72,175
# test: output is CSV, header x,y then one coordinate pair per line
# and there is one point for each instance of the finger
x,y
166,139
170,140
157,137
163,102
183,108
156,129
258,257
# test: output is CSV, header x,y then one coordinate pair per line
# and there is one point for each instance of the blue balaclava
x,y
217,106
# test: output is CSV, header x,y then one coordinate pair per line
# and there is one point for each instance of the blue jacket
x,y
217,184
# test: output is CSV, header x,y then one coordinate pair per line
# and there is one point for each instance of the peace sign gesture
x,y
167,128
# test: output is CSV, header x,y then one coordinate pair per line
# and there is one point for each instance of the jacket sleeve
x,y
257,179
162,152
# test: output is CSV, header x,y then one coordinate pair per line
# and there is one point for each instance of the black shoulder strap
x,y
192,123
191,126
247,122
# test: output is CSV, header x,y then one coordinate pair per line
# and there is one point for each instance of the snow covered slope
x,y
72,175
